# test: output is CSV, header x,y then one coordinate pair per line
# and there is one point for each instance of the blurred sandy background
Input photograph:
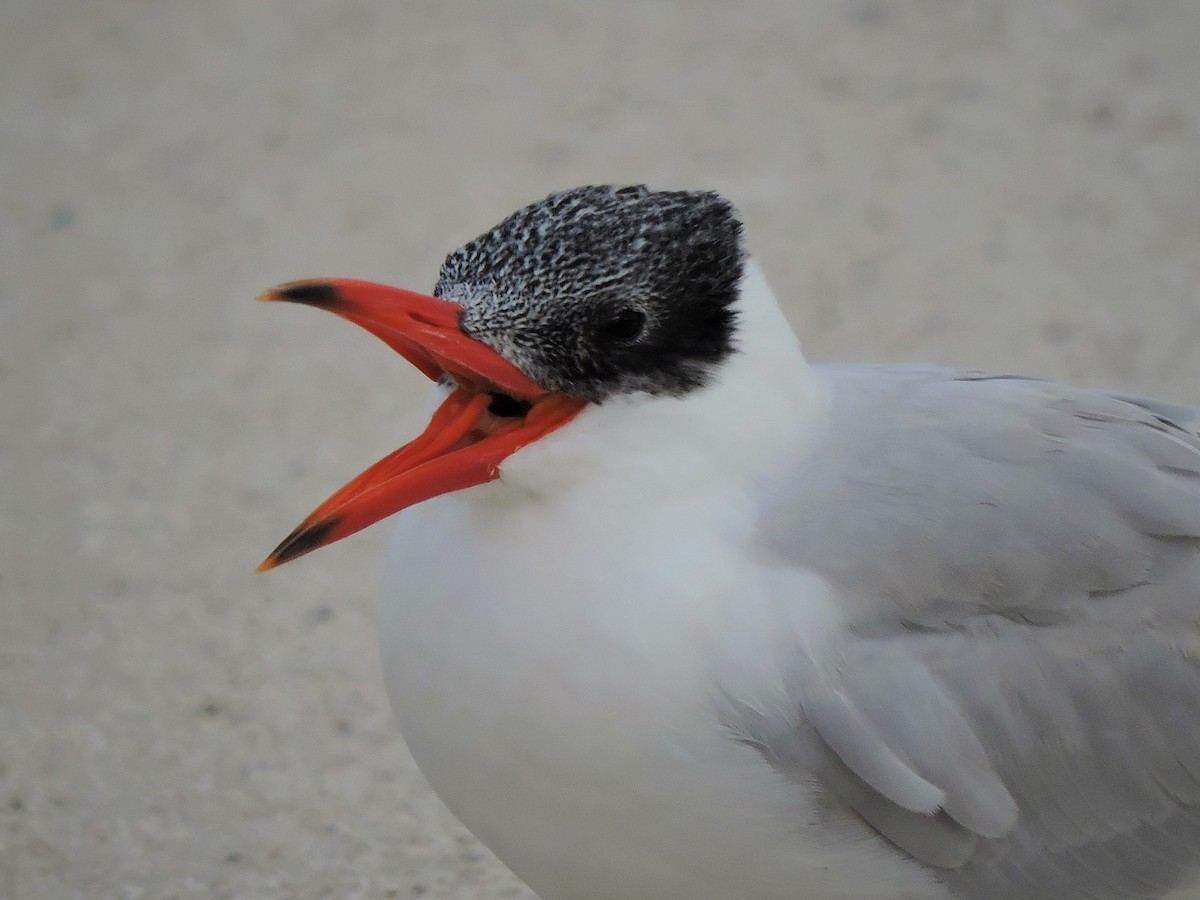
x,y
1011,184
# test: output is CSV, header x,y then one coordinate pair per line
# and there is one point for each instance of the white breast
x,y
553,644
568,721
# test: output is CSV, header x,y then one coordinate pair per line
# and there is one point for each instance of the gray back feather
x,y
1016,698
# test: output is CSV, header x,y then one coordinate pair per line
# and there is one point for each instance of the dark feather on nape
x,y
604,290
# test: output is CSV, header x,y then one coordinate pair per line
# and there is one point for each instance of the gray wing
x,y
1016,697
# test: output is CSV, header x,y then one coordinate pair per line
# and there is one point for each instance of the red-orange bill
x,y
464,443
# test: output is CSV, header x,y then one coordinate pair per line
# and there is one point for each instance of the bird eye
x,y
625,324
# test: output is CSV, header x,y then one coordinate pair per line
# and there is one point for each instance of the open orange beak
x,y
493,411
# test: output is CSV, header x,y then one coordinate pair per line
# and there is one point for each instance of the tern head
x,y
590,294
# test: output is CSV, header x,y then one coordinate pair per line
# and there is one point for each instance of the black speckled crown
x,y
602,290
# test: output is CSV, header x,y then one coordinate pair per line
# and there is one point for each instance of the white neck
x,y
762,400
583,601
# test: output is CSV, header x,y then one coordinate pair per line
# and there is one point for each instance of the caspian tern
x,y
683,617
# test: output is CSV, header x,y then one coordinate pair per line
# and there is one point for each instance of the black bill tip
x,y
306,538
321,294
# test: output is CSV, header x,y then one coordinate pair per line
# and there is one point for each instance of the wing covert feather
x,y
1017,563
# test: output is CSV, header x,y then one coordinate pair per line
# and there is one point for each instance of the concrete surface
x,y
1011,184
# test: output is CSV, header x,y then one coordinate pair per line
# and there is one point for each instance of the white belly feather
x,y
555,686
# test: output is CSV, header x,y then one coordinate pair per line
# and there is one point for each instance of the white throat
x,y
758,405
579,602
